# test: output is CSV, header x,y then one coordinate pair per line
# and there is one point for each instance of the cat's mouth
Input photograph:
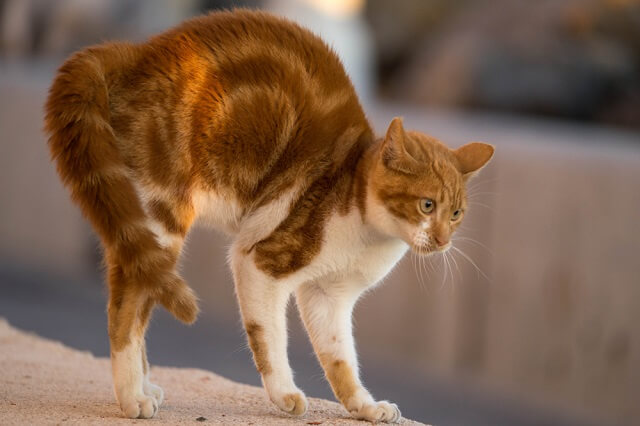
x,y
424,246
423,249
421,244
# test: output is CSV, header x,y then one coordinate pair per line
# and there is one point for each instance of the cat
x,y
249,123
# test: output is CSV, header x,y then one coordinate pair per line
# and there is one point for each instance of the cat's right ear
x,y
394,152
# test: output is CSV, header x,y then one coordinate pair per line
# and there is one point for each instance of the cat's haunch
x,y
248,123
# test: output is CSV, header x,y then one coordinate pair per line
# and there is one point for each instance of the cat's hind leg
x,y
128,311
326,312
142,273
263,305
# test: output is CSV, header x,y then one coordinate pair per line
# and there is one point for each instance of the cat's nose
x,y
441,240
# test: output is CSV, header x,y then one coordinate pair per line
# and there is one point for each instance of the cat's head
x,y
417,187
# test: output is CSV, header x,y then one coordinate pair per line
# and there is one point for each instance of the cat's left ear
x,y
472,157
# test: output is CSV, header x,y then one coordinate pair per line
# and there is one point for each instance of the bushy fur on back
x,y
247,122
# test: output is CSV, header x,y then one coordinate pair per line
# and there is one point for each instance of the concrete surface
x,y
45,382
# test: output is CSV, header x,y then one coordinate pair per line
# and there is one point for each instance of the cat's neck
x,y
362,174
372,210
366,199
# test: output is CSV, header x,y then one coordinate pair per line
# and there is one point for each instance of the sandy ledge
x,y
45,382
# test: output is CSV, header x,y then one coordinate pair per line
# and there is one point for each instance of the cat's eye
x,y
456,215
427,205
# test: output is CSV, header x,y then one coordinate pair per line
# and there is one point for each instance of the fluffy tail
x,y
83,145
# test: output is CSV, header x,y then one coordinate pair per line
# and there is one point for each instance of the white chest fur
x,y
354,251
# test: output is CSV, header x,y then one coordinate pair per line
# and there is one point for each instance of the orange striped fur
x,y
235,118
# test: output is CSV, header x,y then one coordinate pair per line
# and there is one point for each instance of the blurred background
x,y
534,323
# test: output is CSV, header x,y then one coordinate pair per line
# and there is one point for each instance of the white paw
x,y
153,390
142,406
381,411
294,403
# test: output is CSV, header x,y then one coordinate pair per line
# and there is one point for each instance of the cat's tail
x,y
84,147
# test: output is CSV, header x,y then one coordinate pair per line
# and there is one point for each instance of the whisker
x,y
242,348
461,238
475,203
444,268
418,270
446,265
416,267
414,262
475,194
423,268
431,265
472,262
482,182
456,263
453,278
465,227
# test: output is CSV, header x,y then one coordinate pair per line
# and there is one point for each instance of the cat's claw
x,y
381,411
143,407
294,403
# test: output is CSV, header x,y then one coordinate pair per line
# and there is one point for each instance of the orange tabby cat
x,y
249,123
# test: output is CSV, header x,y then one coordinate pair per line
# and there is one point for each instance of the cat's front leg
x,y
326,312
263,305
